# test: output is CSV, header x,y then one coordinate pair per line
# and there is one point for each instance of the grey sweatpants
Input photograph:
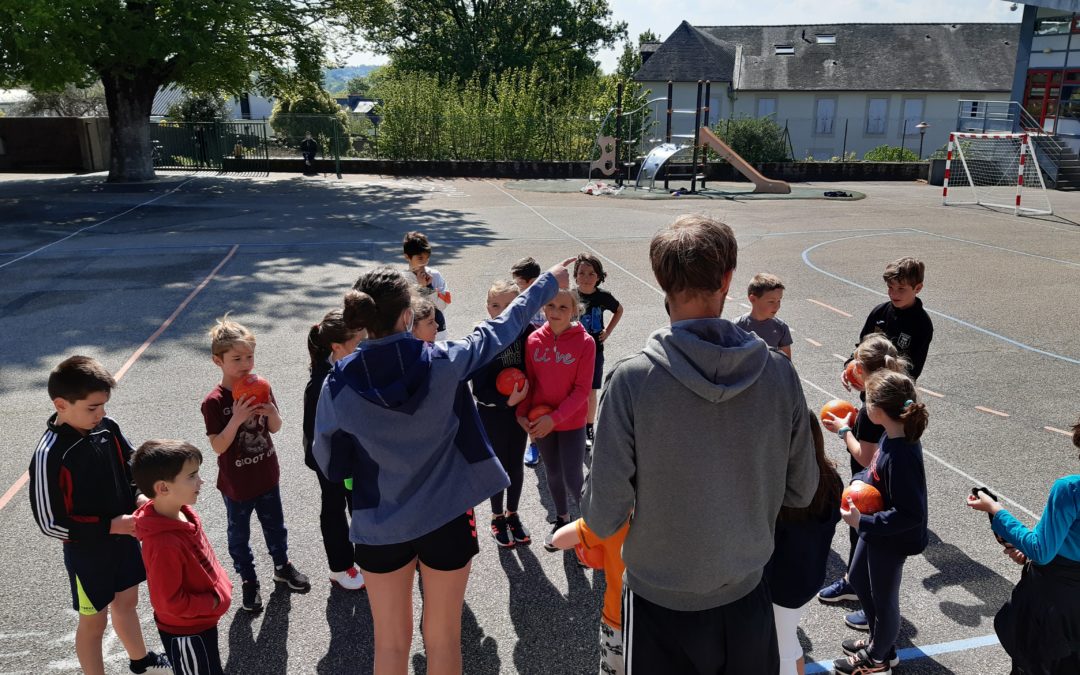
x,y
564,462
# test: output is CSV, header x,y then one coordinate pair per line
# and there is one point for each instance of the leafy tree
x,y
630,59
463,39
200,108
755,139
137,46
310,109
890,153
357,85
71,101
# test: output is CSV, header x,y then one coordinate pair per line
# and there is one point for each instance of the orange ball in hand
x,y
508,380
854,374
840,408
252,385
866,497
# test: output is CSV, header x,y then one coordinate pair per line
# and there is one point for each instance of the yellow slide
x,y
761,183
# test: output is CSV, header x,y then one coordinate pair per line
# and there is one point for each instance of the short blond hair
x,y
226,334
500,286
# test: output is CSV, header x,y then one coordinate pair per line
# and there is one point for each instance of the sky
x,y
663,16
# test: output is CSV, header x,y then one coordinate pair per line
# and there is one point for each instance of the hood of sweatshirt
x,y
575,330
392,372
149,523
713,358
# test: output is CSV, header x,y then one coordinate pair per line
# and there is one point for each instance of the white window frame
x,y
884,117
911,121
762,99
821,126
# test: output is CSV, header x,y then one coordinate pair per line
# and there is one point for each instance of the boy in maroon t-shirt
x,y
248,471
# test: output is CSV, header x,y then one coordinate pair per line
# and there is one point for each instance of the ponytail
x,y
376,302
877,352
333,328
895,394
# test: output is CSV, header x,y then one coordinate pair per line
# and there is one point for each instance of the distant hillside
x,y
334,79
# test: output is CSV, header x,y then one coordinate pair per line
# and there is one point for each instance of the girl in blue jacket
x,y
397,416
899,530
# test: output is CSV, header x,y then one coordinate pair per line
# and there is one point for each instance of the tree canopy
x,y
464,39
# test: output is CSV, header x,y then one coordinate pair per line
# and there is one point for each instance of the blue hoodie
x,y
397,416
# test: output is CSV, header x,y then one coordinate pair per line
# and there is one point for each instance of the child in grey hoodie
x,y
704,415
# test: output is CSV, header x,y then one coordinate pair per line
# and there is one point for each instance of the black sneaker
x,y
252,598
500,532
517,530
559,522
290,575
852,647
861,664
151,664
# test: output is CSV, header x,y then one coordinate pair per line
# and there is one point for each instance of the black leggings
x,y
564,463
875,575
853,534
334,523
508,441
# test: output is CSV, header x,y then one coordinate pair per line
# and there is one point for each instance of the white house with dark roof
x,y
836,87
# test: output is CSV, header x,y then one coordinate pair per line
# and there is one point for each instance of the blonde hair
x,y
876,352
500,286
422,308
575,302
226,334
894,393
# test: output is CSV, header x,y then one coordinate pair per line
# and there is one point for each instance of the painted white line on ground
x,y
930,393
813,342
974,481
1016,343
11,491
90,227
999,248
840,356
829,307
991,411
1059,431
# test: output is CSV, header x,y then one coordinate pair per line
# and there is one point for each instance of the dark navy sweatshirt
x,y
796,569
897,471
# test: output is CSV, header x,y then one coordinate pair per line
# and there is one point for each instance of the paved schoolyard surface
x,y
1005,291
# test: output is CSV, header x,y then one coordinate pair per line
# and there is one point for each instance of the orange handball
x,y
508,380
840,408
252,385
866,497
590,557
854,374
539,411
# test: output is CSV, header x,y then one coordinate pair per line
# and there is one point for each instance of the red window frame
x,y
1054,79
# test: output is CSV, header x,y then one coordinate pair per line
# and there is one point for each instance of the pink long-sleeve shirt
x,y
560,371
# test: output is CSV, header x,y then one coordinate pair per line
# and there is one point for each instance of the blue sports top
x,y
1057,532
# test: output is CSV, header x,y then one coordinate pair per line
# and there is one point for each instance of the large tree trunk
x,y
130,100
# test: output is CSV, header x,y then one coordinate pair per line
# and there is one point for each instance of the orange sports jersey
x,y
613,569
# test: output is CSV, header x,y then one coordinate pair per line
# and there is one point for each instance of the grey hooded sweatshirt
x,y
703,435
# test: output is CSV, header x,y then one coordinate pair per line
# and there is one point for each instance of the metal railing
x,y
1011,117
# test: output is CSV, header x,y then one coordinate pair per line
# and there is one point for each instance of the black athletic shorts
x,y
446,549
598,370
98,571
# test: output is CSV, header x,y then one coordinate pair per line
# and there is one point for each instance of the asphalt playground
x,y
135,275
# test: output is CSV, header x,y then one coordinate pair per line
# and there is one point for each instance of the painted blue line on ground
x,y
912,653
966,324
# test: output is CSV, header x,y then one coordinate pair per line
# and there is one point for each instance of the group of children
x,y
91,489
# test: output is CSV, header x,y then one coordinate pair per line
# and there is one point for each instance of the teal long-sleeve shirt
x,y
1057,532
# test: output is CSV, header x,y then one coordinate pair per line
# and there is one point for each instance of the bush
x,y
200,108
756,139
314,110
889,153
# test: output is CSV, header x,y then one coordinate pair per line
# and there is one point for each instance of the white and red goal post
x,y
995,170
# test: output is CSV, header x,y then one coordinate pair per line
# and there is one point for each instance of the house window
x,y
1041,94
1055,25
826,38
913,114
824,115
766,107
877,115
784,50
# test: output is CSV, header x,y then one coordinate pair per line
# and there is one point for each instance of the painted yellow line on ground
x,y
813,342
1059,431
930,393
829,307
991,411
11,491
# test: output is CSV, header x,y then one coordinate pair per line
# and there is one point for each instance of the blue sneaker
x,y
532,455
837,591
857,620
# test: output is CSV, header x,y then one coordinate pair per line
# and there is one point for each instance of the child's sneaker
x,y
350,579
532,455
252,601
861,664
857,620
517,530
288,574
500,532
559,522
837,591
151,664
852,647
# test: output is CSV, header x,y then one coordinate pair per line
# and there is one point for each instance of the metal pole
x,y
843,152
704,150
667,131
922,137
697,135
903,140
618,134
337,148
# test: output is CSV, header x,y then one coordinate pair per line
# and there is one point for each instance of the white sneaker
x,y
350,579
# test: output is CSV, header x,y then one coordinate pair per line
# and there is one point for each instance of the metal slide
x,y
761,183
654,161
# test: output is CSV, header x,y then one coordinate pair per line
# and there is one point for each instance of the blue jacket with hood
x,y
397,416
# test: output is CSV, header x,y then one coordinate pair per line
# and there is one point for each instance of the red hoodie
x,y
560,371
182,572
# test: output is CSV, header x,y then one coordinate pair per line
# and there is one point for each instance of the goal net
x,y
995,170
